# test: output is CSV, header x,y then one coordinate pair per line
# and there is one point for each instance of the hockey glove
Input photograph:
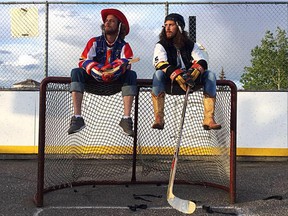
x,y
180,78
197,69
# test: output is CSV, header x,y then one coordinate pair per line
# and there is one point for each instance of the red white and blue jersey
x,y
97,50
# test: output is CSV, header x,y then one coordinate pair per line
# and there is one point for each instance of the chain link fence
x,y
47,38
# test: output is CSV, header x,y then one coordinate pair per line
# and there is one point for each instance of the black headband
x,y
176,18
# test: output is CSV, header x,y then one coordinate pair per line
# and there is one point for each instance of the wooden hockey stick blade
x,y
131,61
185,206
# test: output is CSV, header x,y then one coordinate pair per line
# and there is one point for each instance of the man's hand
x,y
195,71
188,80
182,78
118,62
88,65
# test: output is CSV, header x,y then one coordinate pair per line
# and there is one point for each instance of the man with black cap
x,y
179,60
107,51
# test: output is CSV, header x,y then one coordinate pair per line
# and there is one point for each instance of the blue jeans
x,y
161,83
128,80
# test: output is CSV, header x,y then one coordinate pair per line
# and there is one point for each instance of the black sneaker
x,y
127,126
76,124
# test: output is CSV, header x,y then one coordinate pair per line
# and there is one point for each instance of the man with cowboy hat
x,y
106,52
179,61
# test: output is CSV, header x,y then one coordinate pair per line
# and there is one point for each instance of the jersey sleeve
x,y
160,55
89,52
126,52
199,53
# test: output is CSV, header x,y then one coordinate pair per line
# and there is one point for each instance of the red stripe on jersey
x,y
128,53
90,66
80,63
108,56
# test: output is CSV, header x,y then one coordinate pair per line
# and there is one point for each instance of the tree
x,y
222,75
269,70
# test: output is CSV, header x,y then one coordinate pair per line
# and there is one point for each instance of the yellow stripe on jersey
x,y
162,65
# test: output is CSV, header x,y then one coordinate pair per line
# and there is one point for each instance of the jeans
x,y
208,80
128,80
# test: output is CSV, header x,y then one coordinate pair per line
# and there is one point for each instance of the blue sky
x,y
145,1
229,37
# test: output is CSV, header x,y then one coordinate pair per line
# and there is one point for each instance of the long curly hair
x,y
179,41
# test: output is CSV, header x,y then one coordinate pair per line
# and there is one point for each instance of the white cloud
x,y
27,59
24,61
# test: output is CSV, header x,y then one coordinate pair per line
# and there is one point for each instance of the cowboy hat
x,y
120,16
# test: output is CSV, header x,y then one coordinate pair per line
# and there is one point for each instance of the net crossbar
x,y
102,154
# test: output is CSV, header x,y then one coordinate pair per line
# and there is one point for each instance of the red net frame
x,y
226,86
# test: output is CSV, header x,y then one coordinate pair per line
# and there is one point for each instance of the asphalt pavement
x,y
262,189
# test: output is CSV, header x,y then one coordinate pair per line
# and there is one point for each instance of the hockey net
x,y
102,154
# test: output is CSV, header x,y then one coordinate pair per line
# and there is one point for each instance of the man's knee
x,y
78,75
159,75
130,77
78,79
211,76
132,74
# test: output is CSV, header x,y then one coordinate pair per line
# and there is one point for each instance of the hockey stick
x,y
185,206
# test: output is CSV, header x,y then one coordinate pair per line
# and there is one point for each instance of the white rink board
x,y
261,119
19,118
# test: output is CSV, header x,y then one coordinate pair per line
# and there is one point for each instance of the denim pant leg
x,y
78,79
208,79
129,82
159,82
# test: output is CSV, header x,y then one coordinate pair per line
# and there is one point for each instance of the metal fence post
x,y
46,38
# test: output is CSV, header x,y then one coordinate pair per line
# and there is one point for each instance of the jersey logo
x,y
156,59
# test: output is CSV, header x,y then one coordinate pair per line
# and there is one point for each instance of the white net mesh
x,y
102,153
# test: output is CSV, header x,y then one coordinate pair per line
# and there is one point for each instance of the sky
x,y
145,1
228,32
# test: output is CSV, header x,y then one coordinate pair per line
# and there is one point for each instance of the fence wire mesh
x,y
40,39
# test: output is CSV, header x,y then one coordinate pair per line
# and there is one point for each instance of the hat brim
x,y
118,14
